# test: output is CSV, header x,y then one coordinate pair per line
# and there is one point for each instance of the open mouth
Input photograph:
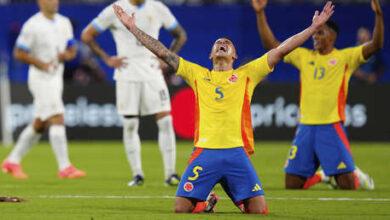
x,y
222,49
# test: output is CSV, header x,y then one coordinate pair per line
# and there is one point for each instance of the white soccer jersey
x,y
44,39
150,17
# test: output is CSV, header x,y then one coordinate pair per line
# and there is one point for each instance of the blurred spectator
x,y
85,68
370,71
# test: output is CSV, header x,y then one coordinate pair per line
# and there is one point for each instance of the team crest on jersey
x,y
286,164
188,186
332,62
233,78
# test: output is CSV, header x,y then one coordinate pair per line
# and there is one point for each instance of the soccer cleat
x,y
332,184
173,180
14,168
71,172
365,181
211,201
327,179
324,178
240,205
138,180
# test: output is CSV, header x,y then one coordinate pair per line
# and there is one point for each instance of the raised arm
x,y
275,55
267,37
149,42
88,37
379,32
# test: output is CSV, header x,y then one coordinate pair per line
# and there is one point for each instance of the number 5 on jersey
x,y
219,93
196,173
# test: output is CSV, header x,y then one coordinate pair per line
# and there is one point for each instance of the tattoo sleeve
x,y
157,48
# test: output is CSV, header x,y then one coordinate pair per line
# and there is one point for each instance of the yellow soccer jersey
x,y
324,82
222,108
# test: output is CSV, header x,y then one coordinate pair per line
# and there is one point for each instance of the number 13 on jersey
x,y
319,73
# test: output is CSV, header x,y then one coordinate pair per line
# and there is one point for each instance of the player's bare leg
x,y
132,144
28,138
362,179
167,145
40,126
191,205
294,181
184,205
256,205
57,137
347,181
59,143
319,177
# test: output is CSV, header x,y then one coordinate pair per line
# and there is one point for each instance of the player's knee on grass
x,y
294,181
184,205
256,205
346,181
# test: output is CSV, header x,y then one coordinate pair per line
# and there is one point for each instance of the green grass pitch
x,y
103,194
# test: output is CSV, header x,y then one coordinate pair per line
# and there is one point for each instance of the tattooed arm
x,y
149,42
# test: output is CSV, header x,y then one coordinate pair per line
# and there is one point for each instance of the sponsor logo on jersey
x,y
256,188
286,164
207,79
188,186
311,63
233,78
342,166
332,62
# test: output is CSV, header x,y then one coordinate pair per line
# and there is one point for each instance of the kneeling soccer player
x,y
223,129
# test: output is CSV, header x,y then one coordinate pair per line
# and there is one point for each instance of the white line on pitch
x,y
172,197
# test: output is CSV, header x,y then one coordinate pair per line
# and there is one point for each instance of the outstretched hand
x,y
320,19
259,5
376,7
126,20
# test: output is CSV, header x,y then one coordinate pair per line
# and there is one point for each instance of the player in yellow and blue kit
x,y
223,129
325,73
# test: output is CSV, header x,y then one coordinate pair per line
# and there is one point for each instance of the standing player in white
x,y
45,42
140,86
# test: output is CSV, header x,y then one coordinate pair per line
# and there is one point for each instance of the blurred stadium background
x,y
89,92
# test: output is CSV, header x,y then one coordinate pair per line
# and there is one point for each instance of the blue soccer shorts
x,y
231,167
314,145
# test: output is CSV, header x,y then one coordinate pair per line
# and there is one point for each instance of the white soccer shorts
x,y
47,100
142,98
